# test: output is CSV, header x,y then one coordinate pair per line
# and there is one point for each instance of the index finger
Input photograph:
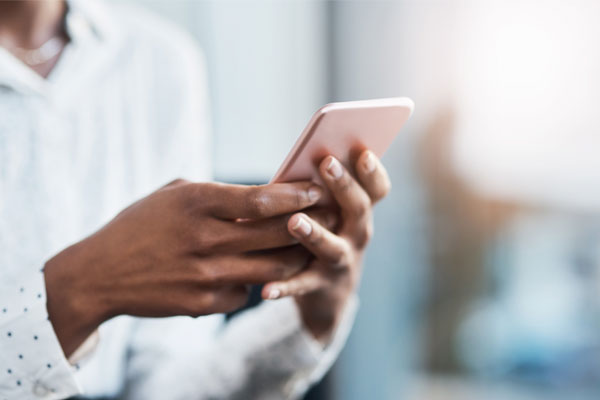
x,y
264,201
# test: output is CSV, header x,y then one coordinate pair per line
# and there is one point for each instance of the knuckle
x,y
340,257
345,183
316,237
301,198
202,241
211,276
213,244
365,235
362,208
189,194
258,202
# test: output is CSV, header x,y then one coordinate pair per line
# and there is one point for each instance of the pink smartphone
x,y
344,130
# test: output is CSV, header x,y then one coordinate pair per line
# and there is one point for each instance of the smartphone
x,y
344,130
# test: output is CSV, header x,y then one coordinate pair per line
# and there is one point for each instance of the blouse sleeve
x,y
32,362
264,353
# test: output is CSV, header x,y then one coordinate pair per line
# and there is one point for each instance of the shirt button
x,y
40,390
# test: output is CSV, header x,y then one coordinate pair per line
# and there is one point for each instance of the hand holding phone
x,y
333,152
344,130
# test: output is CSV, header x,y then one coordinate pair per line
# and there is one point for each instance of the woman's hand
x,y
186,249
321,291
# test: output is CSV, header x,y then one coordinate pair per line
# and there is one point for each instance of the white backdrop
x,y
520,75
272,63
528,95
266,61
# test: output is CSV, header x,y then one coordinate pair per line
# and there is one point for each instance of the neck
x,y
30,23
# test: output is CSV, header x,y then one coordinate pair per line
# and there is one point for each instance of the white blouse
x,y
123,112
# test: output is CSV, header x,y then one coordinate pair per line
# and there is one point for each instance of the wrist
x,y
72,304
321,312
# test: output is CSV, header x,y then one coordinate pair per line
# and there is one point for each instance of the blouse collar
x,y
89,28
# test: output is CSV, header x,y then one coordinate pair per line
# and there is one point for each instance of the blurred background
x,y
483,278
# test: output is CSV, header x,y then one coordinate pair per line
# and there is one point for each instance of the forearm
x,y
322,311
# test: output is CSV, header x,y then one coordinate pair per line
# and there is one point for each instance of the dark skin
x,y
333,274
179,251
192,248
28,24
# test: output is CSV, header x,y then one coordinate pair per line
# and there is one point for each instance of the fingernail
x,y
314,193
335,168
274,293
370,162
302,226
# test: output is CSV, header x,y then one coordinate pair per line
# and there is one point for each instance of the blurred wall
x,y
383,49
505,113
528,97
272,64
267,75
